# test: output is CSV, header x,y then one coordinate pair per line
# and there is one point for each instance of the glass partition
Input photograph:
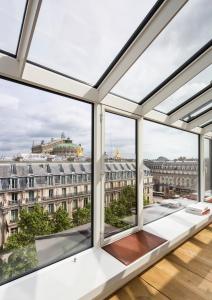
x,y
193,86
120,174
11,18
197,112
208,169
181,38
45,178
172,161
90,34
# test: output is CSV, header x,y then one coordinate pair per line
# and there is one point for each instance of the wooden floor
x,y
184,274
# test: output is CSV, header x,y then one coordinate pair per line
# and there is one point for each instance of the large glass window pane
x,y
197,112
193,86
120,174
173,165
45,140
81,38
11,17
208,169
185,35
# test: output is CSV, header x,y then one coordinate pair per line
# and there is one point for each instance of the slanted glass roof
x,y
81,38
11,18
197,112
184,36
186,91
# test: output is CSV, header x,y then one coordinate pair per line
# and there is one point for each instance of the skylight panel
x,y
198,112
193,86
11,18
185,35
81,38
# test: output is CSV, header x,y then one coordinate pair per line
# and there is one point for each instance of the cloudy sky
x,y
29,114
81,38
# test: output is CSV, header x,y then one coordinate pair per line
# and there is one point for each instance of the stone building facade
x,y
174,177
58,184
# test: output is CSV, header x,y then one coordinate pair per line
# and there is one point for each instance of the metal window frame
x,y
139,184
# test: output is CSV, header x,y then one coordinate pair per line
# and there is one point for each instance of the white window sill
x,y
95,274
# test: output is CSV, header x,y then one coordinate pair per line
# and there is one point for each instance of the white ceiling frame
x,y
31,16
58,83
8,66
152,29
190,106
206,117
202,62
159,117
207,129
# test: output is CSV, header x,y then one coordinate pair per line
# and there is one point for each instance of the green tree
x,y
61,221
120,208
35,222
18,240
19,261
82,215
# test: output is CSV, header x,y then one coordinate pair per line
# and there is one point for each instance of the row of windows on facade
x,y
14,213
51,194
24,182
171,167
179,180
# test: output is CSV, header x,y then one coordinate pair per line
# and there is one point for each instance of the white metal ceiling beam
x,y
47,79
8,66
32,11
207,129
156,24
206,117
190,106
181,79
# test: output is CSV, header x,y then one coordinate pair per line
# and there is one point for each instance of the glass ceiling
x,y
186,91
197,112
186,34
81,38
11,18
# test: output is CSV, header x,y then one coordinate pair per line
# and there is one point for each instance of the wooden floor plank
x,y
138,289
193,258
178,283
184,274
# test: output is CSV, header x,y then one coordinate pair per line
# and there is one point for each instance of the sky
x,y
29,114
90,35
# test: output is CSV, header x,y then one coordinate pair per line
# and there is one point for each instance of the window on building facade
x,y
14,197
173,186
63,192
14,215
51,208
14,183
59,128
51,193
64,205
208,169
31,182
120,153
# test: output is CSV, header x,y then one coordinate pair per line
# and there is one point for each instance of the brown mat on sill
x,y
132,247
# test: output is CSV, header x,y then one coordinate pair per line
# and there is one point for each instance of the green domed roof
x,y
65,145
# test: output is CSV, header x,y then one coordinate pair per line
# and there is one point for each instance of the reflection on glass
x,y
184,35
45,177
120,174
208,169
198,111
90,34
11,17
173,168
186,91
